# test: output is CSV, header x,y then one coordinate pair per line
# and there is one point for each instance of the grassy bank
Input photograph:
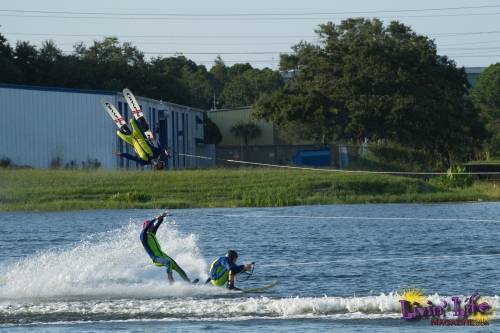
x,y
65,190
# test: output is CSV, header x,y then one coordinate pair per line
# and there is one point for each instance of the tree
x,y
107,64
48,63
248,84
241,84
26,59
384,83
486,96
211,131
180,80
111,65
246,131
10,72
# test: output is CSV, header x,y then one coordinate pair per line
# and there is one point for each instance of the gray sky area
x,y
255,31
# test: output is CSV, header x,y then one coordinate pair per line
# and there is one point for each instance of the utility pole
x,y
214,106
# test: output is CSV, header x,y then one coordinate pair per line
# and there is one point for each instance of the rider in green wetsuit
x,y
136,139
147,153
152,247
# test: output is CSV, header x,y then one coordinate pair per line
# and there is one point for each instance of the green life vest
x,y
224,277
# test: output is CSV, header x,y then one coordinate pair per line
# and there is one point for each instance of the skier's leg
x,y
139,137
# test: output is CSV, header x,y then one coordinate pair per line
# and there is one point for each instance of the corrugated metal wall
x,y
226,119
40,124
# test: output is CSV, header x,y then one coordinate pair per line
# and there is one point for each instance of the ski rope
x,y
340,170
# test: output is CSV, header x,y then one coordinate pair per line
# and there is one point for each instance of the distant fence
x,y
343,156
484,167
204,150
373,157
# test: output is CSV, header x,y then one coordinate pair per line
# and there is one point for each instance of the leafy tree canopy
x,y
247,131
212,132
111,65
486,96
367,80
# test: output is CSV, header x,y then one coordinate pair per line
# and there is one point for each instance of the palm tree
x,y
246,131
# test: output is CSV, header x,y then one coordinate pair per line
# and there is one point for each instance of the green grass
x,y
67,190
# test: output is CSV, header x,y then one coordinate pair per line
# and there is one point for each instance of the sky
x,y
255,31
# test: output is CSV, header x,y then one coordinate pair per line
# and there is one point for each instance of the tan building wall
x,y
225,119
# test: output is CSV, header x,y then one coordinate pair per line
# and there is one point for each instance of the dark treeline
x,y
111,65
381,83
363,82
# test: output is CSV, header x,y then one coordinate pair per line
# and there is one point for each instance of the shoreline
x,y
63,190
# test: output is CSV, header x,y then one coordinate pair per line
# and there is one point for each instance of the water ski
x,y
115,116
259,289
138,115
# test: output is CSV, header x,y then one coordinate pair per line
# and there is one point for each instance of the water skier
x,y
138,134
152,247
224,269
146,152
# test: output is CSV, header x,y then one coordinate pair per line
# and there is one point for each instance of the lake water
x,y
340,268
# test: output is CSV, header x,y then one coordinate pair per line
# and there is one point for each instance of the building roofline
x,y
89,91
474,70
233,109
169,103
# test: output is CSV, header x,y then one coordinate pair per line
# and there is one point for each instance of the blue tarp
x,y
321,157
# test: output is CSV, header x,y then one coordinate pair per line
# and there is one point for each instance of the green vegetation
x,y
486,96
76,189
246,131
456,177
111,65
211,131
384,83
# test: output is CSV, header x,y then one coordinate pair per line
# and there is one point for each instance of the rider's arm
x,y
159,221
233,267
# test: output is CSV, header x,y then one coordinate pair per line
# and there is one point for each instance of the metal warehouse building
x,y
40,125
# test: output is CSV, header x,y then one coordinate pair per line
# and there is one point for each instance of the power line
x,y
260,52
248,14
471,48
225,61
160,36
474,56
207,53
202,44
269,61
220,53
438,34
470,43
440,46
452,34
236,18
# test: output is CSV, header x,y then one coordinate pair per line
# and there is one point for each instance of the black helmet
x,y
232,255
